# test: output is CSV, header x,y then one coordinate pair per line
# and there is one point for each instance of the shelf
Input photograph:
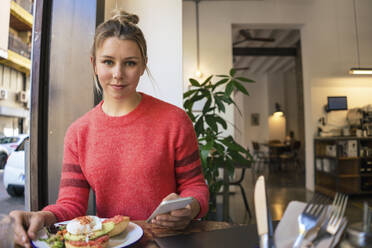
x,y
341,175
327,157
365,174
325,191
366,158
339,138
348,176
348,158
327,173
345,175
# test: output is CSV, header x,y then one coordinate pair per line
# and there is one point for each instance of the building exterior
x,y
16,22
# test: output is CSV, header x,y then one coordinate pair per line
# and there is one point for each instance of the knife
x,y
263,215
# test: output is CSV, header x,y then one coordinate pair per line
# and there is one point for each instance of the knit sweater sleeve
x,y
74,188
189,176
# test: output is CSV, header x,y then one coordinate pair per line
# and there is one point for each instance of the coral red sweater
x,y
131,162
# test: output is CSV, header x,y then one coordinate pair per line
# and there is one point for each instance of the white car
x,y
14,171
3,156
12,142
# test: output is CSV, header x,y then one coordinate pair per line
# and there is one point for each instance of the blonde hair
x,y
121,25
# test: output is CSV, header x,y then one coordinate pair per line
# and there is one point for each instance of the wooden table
x,y
275,150
151,231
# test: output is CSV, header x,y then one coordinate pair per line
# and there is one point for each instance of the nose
x,y
117,72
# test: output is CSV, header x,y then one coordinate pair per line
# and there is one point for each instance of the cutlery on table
x,y
263,215
310,218
335,220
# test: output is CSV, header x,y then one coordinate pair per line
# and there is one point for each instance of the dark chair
x,y
292,155
260,157
238,183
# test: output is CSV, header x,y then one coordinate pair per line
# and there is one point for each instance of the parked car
x,y
14,171
3,156
12,142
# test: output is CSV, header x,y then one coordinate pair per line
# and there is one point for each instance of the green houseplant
x,y
216,150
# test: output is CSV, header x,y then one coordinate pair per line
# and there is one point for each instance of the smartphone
x,y
167,206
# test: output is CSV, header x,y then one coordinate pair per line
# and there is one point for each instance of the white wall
x,y
161,23
276,91
291,102
257,102
328,45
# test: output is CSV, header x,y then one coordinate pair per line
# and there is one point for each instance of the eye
x,y
108,62
130,63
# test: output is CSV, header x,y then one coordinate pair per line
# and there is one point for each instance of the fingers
x,y
20,236
172,222
171,196
177,219
36,223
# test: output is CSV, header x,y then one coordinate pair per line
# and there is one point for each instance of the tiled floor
x,y
283,187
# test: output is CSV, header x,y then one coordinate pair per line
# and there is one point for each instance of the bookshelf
x,y
343,164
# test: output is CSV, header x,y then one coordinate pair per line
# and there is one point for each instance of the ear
x,y
93,62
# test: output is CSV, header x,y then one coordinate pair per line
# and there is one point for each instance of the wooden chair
x,y
260,158
292,155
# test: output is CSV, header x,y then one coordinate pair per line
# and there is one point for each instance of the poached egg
x,y
84,225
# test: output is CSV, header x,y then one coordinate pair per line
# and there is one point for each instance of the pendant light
x,y
278,111
358,70
198,73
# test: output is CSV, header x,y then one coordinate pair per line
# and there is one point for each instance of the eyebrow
x,y
127,58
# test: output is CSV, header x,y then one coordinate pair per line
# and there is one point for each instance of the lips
x,y
117,86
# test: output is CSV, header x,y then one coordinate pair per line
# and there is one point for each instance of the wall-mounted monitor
x,y
337,103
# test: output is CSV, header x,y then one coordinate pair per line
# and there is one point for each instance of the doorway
x,y
271,57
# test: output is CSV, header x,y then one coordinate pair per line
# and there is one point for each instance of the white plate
x,y
132,233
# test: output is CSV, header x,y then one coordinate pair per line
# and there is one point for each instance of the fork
x,y
310,217
335,220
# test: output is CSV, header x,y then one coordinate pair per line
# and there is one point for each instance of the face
x,y
119,66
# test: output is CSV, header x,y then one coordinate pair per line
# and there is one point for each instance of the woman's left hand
x,y
180,218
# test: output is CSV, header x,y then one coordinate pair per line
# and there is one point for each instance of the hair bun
x,y
123,16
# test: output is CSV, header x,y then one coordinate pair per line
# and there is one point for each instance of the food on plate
x,y
55,236
87,231
121,222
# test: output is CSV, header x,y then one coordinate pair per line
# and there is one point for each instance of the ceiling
x,y
222,0
264,50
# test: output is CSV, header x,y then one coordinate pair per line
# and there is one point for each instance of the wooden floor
x,y
283,186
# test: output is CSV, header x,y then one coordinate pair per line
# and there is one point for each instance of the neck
x,y
114,107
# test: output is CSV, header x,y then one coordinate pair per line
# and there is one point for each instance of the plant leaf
x,y
211,121
194,82
231,144
232,72
246,80
196,98
220,82
188,104
222,76
199,127
220,105
207,105
229,88
204,155
191,116
188,93
222,122
241,88
207,80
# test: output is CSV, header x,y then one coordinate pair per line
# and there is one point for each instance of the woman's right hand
x,y
27,224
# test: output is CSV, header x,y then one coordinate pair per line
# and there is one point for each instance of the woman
x,y
133,150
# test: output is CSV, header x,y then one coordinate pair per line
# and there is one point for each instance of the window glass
x,y
21,147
